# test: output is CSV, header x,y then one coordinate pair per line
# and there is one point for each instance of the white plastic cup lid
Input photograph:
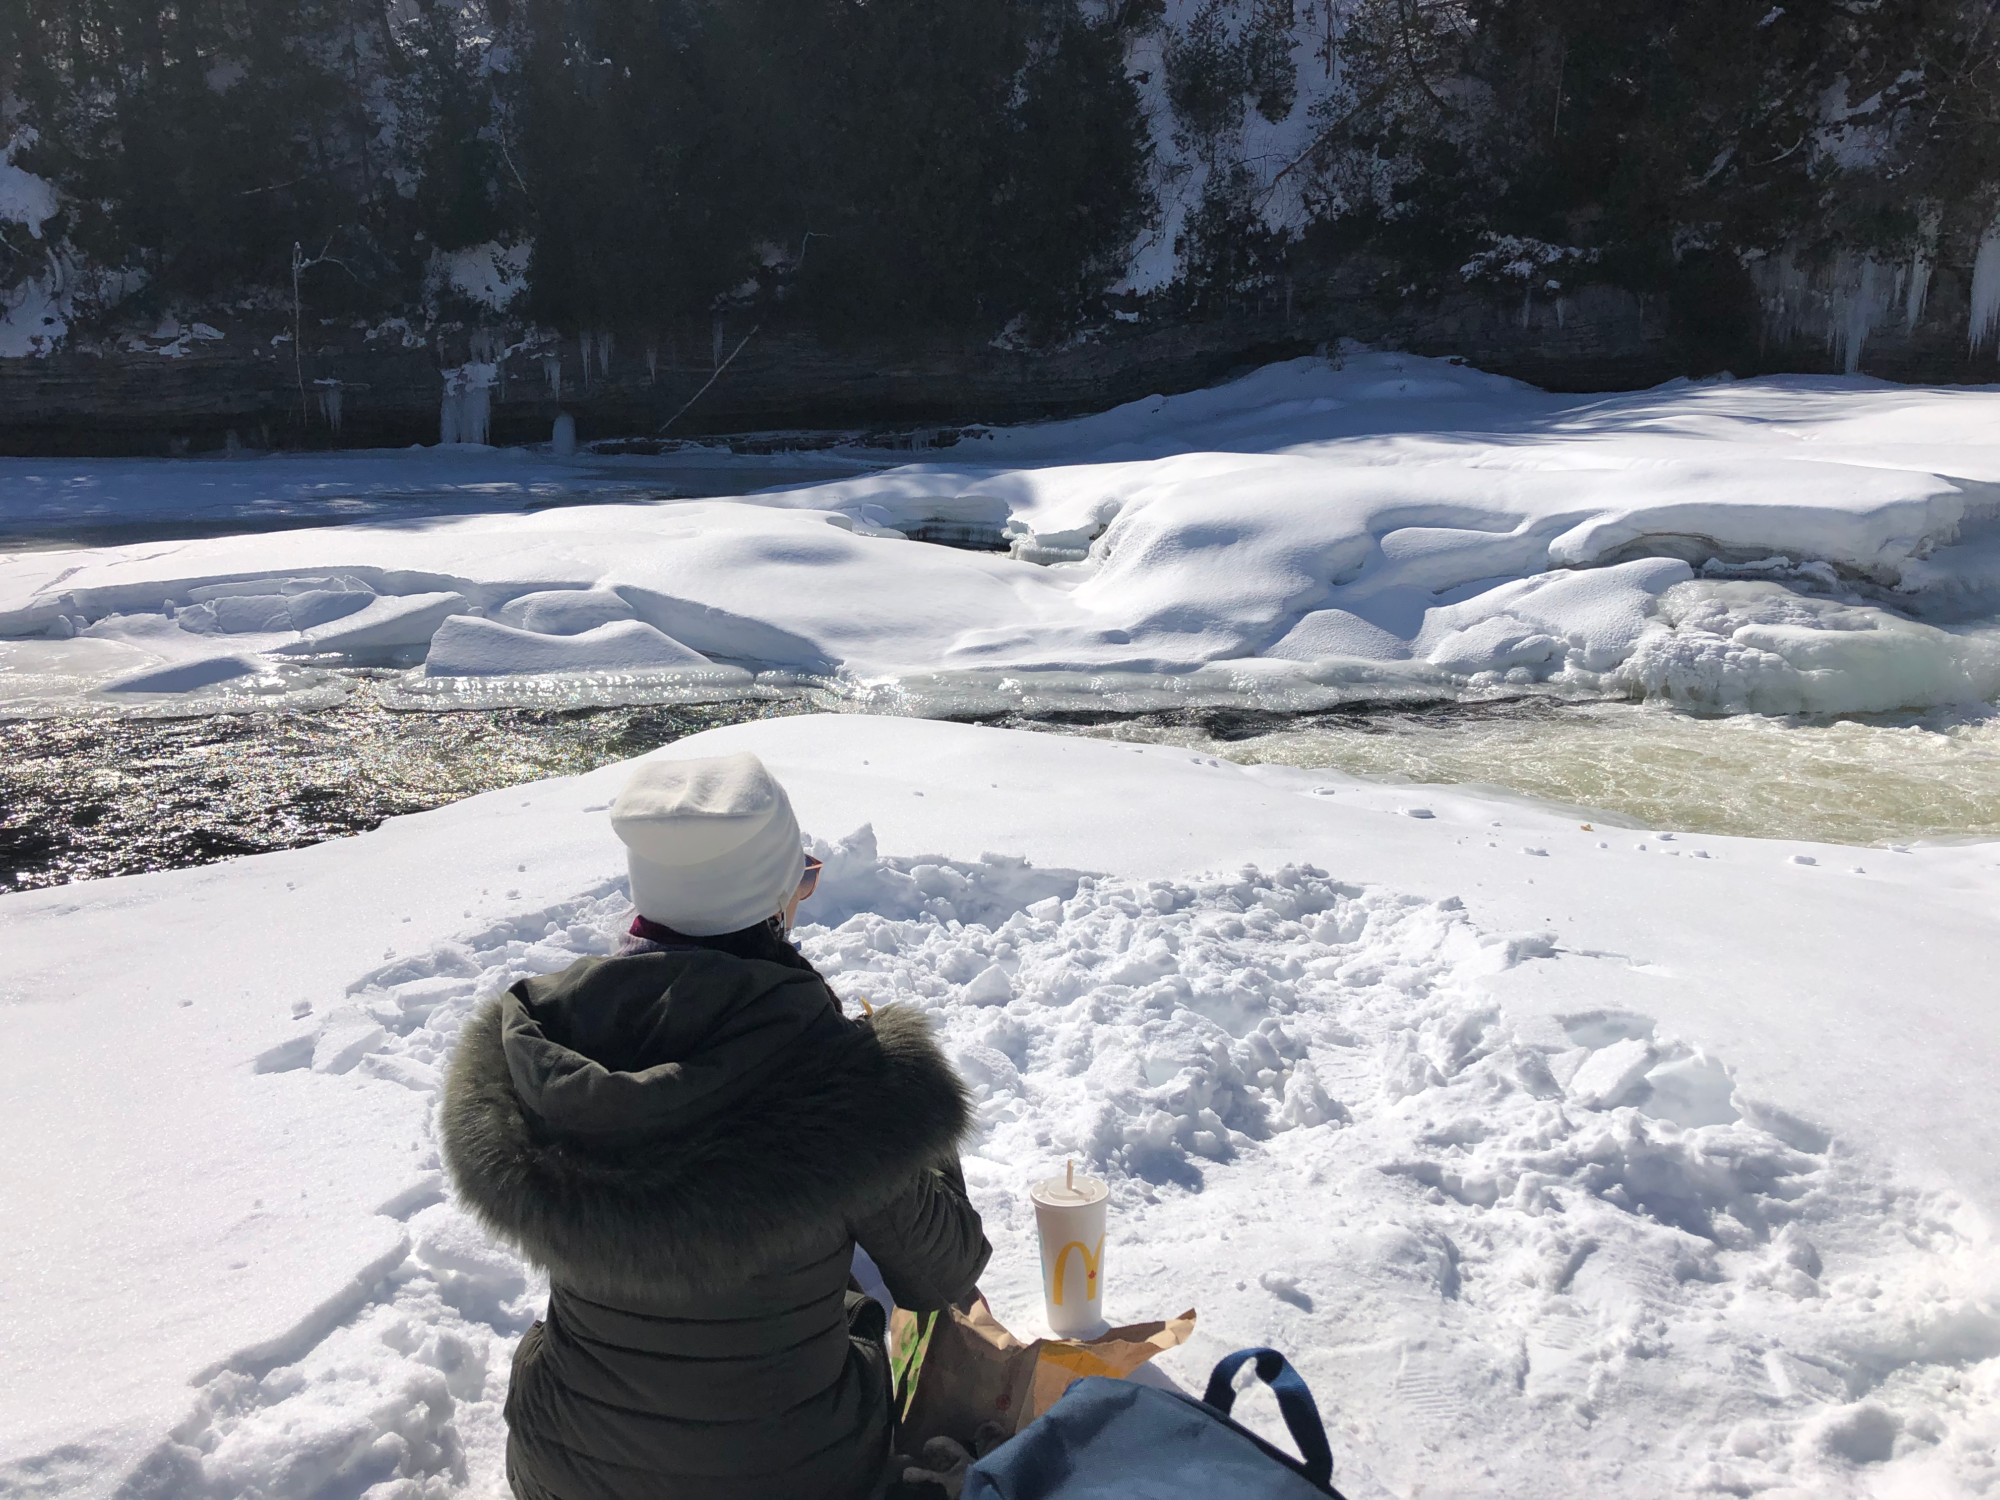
x,y
1056,1192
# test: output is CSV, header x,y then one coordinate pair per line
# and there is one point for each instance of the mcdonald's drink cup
x,y
1069,1212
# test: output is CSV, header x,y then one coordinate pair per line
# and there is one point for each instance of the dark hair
x,y
765,940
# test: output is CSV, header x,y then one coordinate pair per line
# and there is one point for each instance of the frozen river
x,y
1768,608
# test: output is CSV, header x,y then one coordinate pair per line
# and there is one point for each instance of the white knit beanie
x,y
712,844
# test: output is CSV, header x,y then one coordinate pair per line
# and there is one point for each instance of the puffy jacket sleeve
x,y
928,1242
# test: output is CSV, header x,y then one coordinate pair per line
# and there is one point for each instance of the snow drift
x,y
1317,532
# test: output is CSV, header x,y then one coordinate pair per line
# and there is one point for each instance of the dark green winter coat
x,y
692,1144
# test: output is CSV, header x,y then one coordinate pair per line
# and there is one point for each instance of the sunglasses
x,y
809,882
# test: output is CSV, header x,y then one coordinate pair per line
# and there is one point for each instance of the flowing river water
x,y
1867,779
85,797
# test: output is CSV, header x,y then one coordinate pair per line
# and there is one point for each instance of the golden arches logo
x,y
1090,1259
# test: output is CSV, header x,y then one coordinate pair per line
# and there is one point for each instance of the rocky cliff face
x,y
935,212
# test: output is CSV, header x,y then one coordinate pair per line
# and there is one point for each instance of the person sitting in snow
x,y
692,1139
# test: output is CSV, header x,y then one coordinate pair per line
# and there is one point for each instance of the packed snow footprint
x,y
1511,1259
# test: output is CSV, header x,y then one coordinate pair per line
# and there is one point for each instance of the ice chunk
x,y
262,605
287,1056
1759,647
288,587
345,1043
384,623
1069,544
565,611
990,987
241,614
1307,1103
466,646
187,676
1611,1073
321,606
1691,1091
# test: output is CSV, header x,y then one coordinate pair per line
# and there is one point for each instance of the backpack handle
x,y
1295,1401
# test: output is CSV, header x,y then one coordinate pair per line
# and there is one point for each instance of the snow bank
x,y
1317,532
467,647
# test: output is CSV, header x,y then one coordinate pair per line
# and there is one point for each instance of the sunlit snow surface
x,y
1564,1162
1318,532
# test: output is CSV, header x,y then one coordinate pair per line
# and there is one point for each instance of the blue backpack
x,y
1114,1440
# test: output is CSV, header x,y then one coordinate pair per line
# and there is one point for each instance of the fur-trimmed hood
x,y
687,1118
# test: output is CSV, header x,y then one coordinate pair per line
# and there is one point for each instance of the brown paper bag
x,y
976,1383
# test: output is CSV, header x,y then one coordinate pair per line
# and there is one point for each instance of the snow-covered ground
x,y
1315,532
1564,1160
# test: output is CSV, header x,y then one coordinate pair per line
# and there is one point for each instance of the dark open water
x,y
82,798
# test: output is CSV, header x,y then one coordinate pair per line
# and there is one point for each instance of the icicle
x,y
1843,303
716,341
585,340
1986,288
1864,309
552,368
475,419
1919,286
652,361
329,403
465,411
488,349
604,352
